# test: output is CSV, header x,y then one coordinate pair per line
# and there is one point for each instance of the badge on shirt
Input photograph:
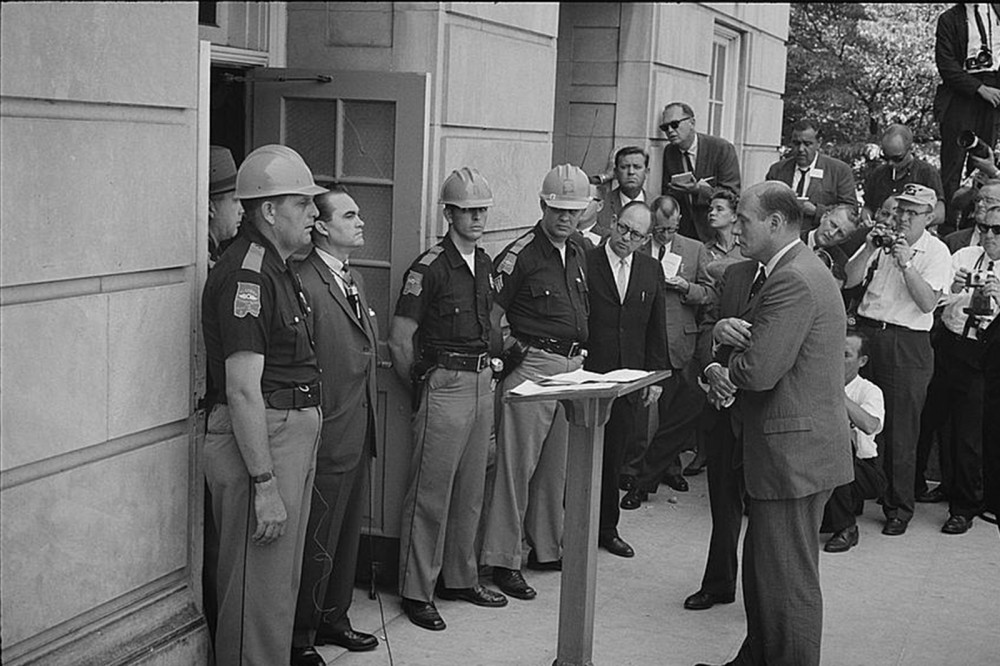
x,y
498,283
247,301
816,173
414,283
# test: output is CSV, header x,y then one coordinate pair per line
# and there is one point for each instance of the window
x,y
208,13
722,79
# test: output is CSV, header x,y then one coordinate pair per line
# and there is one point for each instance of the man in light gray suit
x,y
789,370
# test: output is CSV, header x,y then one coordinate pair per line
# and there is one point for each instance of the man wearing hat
x,y
224,207
541,285
260,450
902,272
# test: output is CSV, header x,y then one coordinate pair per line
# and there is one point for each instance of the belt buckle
x,y
482,361
574,350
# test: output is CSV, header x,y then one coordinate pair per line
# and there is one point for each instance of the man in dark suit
x,y
789,369
345,338
819,181
627,330
678,409
631,168
710,161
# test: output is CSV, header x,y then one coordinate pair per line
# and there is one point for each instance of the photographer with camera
x,y
902,270
967,53
956,391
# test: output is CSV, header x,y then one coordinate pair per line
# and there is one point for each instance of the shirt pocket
x,y
459,317
295,329
543,298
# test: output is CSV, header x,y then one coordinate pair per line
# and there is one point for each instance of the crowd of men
x,y
820,346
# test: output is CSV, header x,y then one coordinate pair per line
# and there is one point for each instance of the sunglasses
x,y
673,125
988,228
630,233
894,159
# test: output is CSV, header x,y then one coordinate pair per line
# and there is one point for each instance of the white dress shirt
x,y
972,259
618,264
336,267
869,398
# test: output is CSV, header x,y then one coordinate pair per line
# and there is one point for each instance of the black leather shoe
x,y
535,565
423,614
957,525
694,468
353,641
626,482
676,481
894,527
842,541
306,656
616,546
931,496
478,595
705,600
511,581
634,498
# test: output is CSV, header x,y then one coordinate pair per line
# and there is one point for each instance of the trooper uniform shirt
x,y
451,305
252,302
542,296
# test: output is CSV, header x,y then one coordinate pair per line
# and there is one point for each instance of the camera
x,y
884,237
976,279
982,60
973,144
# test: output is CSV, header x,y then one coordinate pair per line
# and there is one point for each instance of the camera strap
x,y
985,42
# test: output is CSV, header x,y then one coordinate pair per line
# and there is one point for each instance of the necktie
x,y
757,283
351,290
801,187
688,162
662,251
621,280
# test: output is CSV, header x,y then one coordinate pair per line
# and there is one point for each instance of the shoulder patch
x,y
521,242
414,283
431,255
247,301
253,259
510,258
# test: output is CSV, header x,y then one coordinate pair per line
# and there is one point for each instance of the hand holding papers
x,y
578,379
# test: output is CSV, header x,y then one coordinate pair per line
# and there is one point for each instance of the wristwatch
x,y
263,478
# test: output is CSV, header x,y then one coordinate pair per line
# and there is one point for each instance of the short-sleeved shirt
x,y
887,298
542,297
449,304
252,302
869,398
880,183
974,260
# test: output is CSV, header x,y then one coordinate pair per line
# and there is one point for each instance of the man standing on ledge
x,y
788,366
541,284
260,450
701,163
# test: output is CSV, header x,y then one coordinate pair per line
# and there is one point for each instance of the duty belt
x,y
458,361
296,397
567,348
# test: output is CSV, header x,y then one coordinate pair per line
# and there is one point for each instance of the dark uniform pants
x,y
444,496
725,498
530,478
846,501
257,585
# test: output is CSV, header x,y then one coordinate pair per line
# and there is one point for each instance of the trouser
x,y
530,481
902,362
627,415
725,498
679,414
846,500
330,555
444,496
257,585
956,391
784,604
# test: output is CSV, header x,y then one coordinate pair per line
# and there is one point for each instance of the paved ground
x,y
921,599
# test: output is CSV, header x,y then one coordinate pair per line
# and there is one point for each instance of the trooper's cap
x,y
221,170
275,170
566,187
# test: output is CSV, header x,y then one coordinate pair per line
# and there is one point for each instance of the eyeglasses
x,y
674,124
909,212
630,233
988,228
894,159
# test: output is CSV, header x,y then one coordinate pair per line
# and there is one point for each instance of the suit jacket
x,y
346,350
951,41
716,158
630,334
796,440
836,186
956,240
682,309
612,209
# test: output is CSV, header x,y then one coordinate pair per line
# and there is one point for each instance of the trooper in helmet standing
x,y
260,450
541,285
440,340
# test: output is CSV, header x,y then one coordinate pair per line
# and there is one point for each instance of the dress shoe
x,y
932,496
842,541
694,468
705,600
957,525
634,498
626,482
535,565
306,656
423,614
894,527
478,595
511,582
676,481
350,640
615,545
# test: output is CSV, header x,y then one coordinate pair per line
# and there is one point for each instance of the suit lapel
x,y
335,291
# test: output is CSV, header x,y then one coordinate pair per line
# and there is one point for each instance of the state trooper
x,y
541,285
260,450
440,339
